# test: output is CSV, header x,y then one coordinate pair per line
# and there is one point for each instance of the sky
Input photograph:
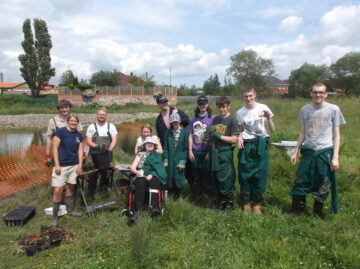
x,y
192,38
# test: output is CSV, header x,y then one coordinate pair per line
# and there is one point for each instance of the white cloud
x,y
290,24
276,11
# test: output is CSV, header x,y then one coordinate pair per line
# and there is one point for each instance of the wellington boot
x,y
257,209
70,202
55,218
298,206
317,209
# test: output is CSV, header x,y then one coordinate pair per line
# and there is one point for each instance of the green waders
x,y
222,166
314,175
176,156
102,142
253,162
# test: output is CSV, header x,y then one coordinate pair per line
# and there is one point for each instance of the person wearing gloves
x,y
255,124
175,155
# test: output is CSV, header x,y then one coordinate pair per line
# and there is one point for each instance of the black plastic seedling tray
x,y
19,216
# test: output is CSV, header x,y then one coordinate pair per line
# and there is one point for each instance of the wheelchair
x,y
154,199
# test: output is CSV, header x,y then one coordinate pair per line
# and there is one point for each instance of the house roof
x,y
10,85
271,80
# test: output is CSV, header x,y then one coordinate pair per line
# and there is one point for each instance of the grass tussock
x,y
188,236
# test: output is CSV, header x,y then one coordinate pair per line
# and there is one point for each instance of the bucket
x,y
101,158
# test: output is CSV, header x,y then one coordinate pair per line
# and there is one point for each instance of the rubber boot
x,y
298,205
70,202
257,209
229,205
154,203
56,207
317,209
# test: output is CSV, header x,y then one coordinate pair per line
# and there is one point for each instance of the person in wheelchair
x,y
149,175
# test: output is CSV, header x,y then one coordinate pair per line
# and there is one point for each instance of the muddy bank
x,y
35,121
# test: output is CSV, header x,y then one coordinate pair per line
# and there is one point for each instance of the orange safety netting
x,y
23,169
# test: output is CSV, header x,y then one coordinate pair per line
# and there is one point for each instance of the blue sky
x,y
194,37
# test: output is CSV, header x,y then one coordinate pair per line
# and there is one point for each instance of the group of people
x,y
200,151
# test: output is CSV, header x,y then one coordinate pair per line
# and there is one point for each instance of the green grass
x,y
189,236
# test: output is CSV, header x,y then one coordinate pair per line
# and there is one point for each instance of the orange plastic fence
x,y
23,169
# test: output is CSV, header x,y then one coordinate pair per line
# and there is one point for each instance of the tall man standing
x,y
318,143
255,123
56,123
101,135
163,120
224,133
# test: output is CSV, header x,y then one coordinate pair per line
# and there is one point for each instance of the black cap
x,y
161,99
202,100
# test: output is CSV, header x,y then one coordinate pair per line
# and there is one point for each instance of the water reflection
x,y
17,139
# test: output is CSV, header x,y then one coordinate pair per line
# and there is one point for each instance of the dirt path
x,y
35,121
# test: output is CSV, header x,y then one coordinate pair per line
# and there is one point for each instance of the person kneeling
x,y
150,174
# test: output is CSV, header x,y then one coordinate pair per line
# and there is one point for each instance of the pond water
x,y
11,140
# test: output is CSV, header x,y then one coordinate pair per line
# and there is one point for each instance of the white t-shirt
x,y
252,121
102,130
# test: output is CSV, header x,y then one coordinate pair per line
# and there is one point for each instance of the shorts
x,y
68,175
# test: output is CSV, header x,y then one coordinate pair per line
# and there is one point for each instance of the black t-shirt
x,y
226,126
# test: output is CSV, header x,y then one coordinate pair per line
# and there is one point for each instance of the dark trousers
x,y
141,185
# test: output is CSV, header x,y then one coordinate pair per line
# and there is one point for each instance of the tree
x,y
212,85
148,80
302,79
36,61
345,73
249,69
67,78
105,78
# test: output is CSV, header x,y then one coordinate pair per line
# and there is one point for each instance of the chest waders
x,y
314,175
253,162
222,166
102,142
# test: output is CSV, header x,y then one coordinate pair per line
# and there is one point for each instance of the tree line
x,y
247,69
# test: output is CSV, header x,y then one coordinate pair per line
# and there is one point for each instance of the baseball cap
x,y
202,100
161,99
149,139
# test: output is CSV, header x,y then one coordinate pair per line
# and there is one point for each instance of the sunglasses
x,y
318,92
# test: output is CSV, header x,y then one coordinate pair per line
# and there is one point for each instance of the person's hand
x,y
57,169
216,135
175,110
149,177
166,164
207,156
79,170
240,142
294,158
181,167
48,160
266,114
191,157
334,164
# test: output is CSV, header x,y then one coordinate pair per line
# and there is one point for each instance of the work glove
x,y
180,167
48,160
216,135
166,164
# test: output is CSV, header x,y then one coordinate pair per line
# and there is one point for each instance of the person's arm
x,y
159,148
240,141
80,155
336,141
269,122
113,142
165,149
56,143
137,145
184,118
300,140
134,166
90,143
191,155
233,139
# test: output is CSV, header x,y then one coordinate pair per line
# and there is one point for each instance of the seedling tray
x,y
19,216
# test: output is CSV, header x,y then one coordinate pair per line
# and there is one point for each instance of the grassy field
x,y
189,236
